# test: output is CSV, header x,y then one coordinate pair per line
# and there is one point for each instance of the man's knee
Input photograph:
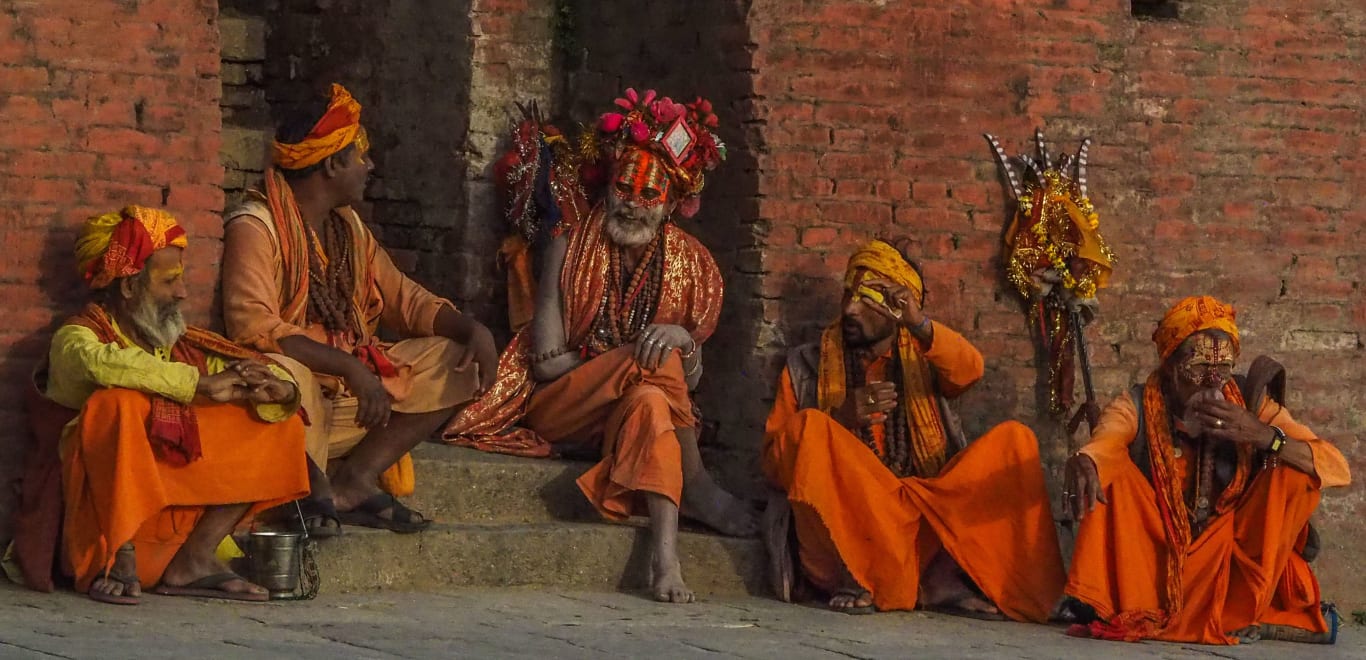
x,y
119,400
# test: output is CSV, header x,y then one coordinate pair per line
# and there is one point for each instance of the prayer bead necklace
x,y
895,428
332,286
629,300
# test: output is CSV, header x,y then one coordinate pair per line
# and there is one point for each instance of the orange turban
x,y
338,129
1190,316
118,244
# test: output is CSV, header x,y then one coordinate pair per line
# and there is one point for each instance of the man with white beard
x,y
625,301
181,435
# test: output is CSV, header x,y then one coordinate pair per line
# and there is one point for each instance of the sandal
x,y
857,593
955,610
127,580
367,514
320,518
208,587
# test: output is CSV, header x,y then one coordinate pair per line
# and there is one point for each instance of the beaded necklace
x,y
629,299
329,296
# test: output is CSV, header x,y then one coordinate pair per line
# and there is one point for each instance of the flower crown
x,y
680,133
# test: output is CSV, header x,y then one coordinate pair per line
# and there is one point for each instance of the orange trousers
x,y
630,414
1242,570
988,509
116,491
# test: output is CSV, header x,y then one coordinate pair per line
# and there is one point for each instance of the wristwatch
x,y
1278,440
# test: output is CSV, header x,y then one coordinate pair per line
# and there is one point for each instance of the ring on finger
x,y
1219,423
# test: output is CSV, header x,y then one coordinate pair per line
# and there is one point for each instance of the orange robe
x,y
261,307
987,508
1242,570
608,402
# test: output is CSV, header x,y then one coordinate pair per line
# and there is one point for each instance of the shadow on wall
x,y
65,293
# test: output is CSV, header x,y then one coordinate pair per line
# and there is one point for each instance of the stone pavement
x,y
508,623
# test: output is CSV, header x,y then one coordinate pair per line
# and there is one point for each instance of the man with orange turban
x,y
890,506
181,434
305,281
1194,497
625,302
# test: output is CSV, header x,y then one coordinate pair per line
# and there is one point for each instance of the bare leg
x,y
357,477
668,586
944,584
705,501
196,558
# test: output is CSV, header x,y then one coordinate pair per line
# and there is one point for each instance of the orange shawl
x,y
690,296
172,427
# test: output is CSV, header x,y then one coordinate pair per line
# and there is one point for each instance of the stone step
x,y
460,485
595,556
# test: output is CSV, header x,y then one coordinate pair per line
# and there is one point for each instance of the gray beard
x,y
161,327
630,236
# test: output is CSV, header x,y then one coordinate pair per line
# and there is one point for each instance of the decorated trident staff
x,y
1057,260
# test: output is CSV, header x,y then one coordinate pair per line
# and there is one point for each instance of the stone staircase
x,y
508,521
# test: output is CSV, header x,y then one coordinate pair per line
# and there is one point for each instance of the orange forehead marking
x,y
641,171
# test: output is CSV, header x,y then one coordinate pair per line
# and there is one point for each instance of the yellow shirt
x,y
79,364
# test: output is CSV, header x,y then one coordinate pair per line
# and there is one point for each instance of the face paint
x,y
1210,364
642,179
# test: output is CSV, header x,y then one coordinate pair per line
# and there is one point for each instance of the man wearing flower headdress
x,y
625,301
180,435
303,277
1194,497
891,507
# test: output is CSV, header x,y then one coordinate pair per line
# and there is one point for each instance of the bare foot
x,y
121,583
668,584
851,600
711,505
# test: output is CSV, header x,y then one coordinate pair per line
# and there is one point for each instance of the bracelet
x,y
692,351
550,354
695,367
1277,440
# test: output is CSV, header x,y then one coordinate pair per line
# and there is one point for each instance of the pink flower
x,y
665,110
649,97
610,122
639,131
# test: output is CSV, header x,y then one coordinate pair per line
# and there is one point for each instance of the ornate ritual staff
x,y
1056,258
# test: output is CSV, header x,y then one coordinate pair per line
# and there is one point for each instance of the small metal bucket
x,y
275,560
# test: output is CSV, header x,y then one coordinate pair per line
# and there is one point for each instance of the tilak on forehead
x,y
642,177
1193,315
878,259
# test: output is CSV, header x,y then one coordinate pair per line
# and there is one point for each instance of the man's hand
x,y
263,386
656,341
900,303
222,387
372,410
1230,422
483,352
867,405
1081,487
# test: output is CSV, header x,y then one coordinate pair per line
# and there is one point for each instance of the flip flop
x,y
126,581
207,587
320,518
400,519
856,594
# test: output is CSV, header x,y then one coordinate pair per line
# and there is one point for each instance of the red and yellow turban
x,y
1190,316
118,244
338,129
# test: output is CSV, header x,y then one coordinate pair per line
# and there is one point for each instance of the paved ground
x,y
492,623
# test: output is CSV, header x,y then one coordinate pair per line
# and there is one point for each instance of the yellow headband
x,y
886,262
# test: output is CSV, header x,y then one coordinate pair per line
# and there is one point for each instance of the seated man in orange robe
x,y
625,302
181,434
1194,508
305,281
891,508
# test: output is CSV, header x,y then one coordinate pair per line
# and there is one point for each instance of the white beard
x,y
161,327
627,233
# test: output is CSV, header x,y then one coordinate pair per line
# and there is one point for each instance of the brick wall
x,y
103,104
1228,161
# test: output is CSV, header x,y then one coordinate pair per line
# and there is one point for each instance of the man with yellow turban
x,y
1194,497
306,281
890,506
180,435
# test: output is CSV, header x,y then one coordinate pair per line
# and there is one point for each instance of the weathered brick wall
x,y
103,104
408,63
1228,161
